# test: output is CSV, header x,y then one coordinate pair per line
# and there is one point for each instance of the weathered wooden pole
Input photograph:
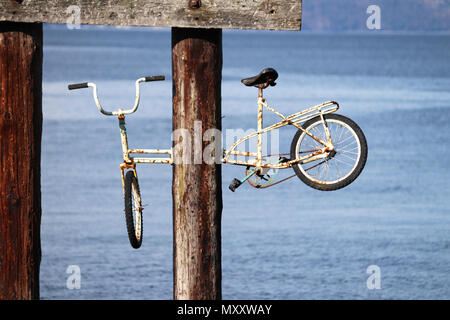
x,y
20,152
196,188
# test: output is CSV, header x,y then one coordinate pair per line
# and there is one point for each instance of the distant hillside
x,y
401,15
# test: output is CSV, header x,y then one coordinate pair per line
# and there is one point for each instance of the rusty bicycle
x,y
328,151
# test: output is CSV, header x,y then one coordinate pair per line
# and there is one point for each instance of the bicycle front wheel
x,y
133,210
339,169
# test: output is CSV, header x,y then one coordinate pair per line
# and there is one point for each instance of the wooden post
x,y
20,151
196,188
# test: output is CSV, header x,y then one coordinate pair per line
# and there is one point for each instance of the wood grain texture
x,y
230,14
20,152
197,188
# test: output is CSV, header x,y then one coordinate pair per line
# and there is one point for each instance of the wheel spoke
x,y
348,144
349,150
337,168
348,157
137,211
341,161
340,151
345,139
342,131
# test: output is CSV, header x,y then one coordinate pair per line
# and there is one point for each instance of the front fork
x,y
124,166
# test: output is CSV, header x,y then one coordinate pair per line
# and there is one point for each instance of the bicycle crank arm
x,y
236,182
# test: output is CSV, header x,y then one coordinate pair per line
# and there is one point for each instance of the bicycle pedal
x,y
234,184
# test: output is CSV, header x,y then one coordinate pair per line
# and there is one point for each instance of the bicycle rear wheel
x,y
133,210
339,169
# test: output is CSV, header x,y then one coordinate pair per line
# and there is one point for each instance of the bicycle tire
x,y
133,210
360,160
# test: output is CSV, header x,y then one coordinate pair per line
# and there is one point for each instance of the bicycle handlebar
x,y
154,78
120,111
78,86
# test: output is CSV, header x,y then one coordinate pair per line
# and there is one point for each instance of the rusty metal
x,y
271,184
295,120
260,125
150,151
255,160
130,162
243,153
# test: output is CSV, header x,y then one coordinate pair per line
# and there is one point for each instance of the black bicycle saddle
x,y
264,79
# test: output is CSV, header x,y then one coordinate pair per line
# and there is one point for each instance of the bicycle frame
x,y
256,159
130,162
295,119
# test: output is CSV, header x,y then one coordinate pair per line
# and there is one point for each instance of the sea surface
x,y
285,242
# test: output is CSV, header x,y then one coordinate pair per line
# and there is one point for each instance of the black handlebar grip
x,y
155,78
78,86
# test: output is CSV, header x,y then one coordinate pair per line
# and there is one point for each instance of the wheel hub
x,y
331,154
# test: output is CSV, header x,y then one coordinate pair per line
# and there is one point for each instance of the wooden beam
x,y
196,186
236,14
20,152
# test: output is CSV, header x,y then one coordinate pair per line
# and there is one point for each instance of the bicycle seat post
x,y
260,92
260,126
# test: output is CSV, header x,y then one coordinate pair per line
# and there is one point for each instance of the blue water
x,y
285,242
